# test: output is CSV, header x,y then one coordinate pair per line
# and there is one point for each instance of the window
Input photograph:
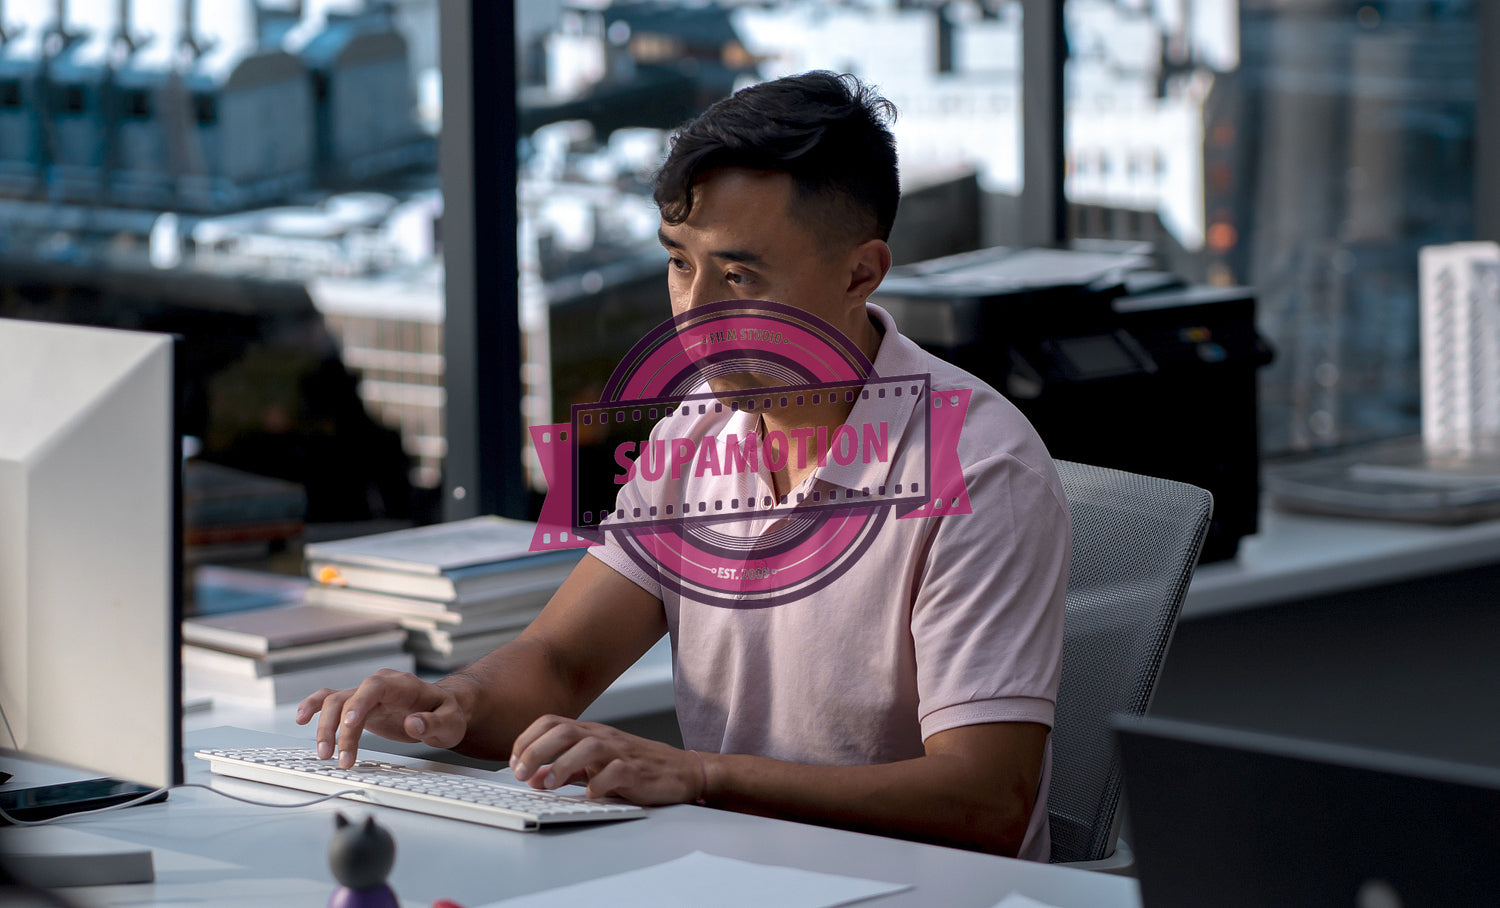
x,y
205,110
293,245
1307,149
137,105
71,99
600,87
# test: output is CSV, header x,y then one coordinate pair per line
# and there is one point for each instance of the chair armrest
x,y
1120,863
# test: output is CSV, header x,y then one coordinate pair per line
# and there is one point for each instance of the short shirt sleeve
x,y
613,553
988,616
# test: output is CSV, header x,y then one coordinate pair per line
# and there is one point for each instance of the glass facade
x,y
264,181
600,87
261,179
1307,149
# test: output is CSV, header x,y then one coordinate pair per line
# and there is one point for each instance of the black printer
x,y
1114,364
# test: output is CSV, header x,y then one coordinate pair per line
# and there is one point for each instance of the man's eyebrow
x,y
742,256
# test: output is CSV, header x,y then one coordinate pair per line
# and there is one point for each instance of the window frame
x,y
481,325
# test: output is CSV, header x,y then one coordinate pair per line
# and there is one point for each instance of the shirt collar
x,y
897,356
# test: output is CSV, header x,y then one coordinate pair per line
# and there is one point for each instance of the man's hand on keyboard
x,y
394,705
609,761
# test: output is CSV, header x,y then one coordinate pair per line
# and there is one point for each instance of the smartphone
x,y
48,801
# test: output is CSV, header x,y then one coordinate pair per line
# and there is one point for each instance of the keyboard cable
x,y
159,792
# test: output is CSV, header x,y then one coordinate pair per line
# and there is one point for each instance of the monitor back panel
x,y
1228,818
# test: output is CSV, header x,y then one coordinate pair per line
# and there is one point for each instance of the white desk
x,y
203,838
1293,557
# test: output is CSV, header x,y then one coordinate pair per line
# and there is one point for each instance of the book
x,y
291,686
449,642
470,622
214,495
259,632
528,598
293,658
216,589
432,549
268,531
229,552
445,652
470,583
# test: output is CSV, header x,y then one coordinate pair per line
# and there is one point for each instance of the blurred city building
x,y
1304,148
145,139
1342,144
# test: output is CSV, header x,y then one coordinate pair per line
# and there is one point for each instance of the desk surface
x,y
1295,556
201,838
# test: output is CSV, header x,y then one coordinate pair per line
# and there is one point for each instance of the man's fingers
x,y
554,751
366,699
443,727
328,722
392,704
612,781
541,743
312,704
579,761
524,740
351,727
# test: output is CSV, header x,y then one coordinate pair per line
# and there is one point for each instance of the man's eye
x,y
734,277
676,264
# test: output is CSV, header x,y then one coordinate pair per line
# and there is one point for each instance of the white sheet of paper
x,y
701,879
1017,900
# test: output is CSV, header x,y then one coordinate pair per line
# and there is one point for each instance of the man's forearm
x,y
933,798
504,692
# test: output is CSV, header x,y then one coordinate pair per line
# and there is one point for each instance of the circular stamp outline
x,y
816,548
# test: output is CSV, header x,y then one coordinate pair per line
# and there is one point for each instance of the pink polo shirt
x,y
942,621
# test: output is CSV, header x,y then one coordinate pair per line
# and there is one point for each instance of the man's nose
x,y
704,290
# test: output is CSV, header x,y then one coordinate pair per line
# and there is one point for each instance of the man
x,y
911,697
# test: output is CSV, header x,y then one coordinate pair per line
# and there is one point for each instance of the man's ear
x,y
868,265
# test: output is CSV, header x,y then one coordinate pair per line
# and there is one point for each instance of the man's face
x,y
742,242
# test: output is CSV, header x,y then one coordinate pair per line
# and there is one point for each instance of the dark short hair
x,y
827,131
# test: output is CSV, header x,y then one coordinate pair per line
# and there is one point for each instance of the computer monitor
x,y
1242,819
90,561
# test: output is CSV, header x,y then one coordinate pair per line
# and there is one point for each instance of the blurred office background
x,y
268,178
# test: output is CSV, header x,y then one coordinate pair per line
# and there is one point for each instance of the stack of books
x,y
460,589
216,589
283,653
231,515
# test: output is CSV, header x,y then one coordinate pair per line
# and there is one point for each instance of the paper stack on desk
x,y
284,653
460,589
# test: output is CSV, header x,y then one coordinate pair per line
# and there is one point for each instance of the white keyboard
x,y
443,794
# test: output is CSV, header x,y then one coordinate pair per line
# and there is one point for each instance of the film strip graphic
x,y
661,444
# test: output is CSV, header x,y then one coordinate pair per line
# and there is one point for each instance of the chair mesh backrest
x,y
1135,543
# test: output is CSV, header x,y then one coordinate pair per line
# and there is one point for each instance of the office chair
x,y
1135,543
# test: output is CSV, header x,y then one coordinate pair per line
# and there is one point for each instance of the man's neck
x,y
800,425
869,334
